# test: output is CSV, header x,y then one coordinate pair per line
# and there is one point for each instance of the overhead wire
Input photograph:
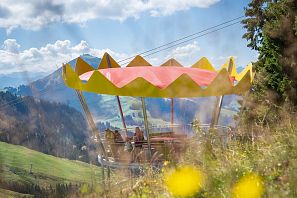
x,y
182,42
185,37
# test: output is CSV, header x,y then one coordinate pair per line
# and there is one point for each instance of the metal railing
x,y
169,130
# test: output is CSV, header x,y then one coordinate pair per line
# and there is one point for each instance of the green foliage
x,y
275,78
254,23
271,30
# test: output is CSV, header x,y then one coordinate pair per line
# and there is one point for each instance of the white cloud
x,y
185,54
46,58
161,7
39,13
51,56
220,60
11,45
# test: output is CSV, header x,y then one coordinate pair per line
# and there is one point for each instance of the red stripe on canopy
x,y
160,77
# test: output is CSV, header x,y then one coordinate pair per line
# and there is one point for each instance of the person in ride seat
x,y
117,137
110,140
138,139
138,135
109,134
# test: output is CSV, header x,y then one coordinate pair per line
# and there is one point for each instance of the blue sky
x,y
47,34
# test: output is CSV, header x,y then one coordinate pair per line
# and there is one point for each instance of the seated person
x,y
117,139
138,137
111,137
117,136
128,145
109,134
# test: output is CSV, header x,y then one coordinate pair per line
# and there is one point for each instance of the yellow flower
x,y
84,189
166,163
249,186
184,181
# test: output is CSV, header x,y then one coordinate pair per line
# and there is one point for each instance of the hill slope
x,y
15,164
47,170
47,127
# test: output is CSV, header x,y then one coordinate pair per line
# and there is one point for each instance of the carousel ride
x,y
140,79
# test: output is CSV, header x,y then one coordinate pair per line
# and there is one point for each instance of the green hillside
x,y
8,194
50,128
47,170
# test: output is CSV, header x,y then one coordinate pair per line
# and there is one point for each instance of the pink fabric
x,y
159,76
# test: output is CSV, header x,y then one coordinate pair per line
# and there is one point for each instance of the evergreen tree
x,y
271,30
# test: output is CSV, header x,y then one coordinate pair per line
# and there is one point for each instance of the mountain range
x,y
16,79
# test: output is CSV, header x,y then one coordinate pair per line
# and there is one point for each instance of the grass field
x,y
8,194
16,162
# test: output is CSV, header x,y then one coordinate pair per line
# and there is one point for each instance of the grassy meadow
x,y
16,162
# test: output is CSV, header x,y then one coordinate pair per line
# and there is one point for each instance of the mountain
x,y
52,88
91,60
105,111
18,78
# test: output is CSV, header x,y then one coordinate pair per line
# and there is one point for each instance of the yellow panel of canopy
x,y
182,87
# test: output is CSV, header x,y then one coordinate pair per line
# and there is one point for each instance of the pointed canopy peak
x,y
230,66
172,62
108,62
82,66
248,69
203,63
138,61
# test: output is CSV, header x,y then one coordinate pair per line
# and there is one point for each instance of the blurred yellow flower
x,y
84,189
249,186
166,163
184,181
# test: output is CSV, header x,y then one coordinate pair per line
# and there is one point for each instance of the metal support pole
x,y
217,111
218,104
95,132
172,111
103,177
118,100
146,126
122,114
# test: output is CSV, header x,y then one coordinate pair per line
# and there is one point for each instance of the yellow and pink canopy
x,y
170,80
